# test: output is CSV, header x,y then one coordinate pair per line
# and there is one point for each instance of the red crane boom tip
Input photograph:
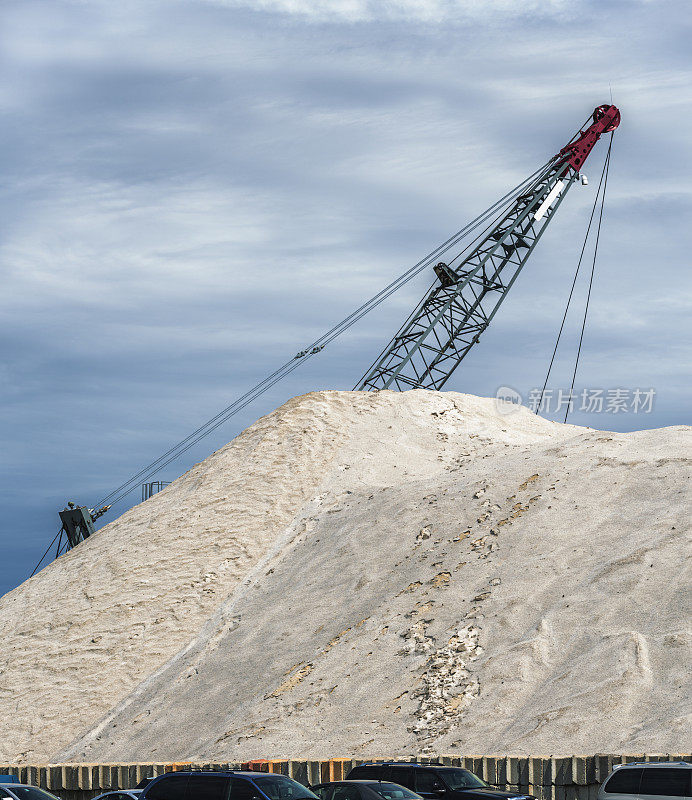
x,y
605,119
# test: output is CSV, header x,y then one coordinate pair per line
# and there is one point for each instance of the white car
x,y
648,780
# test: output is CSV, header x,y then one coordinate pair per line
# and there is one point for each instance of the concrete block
x,y
122,776
579,770
630,757
104,782
84,777
490,769
114,773
562,769
476,765
546,771
298,770
55,777
542,791
70,777
314,772
595,768
337,769
501,771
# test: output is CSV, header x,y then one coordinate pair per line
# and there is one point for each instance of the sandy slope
x,y
372,574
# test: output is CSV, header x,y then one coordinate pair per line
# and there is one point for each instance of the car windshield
x,y
462,779
392,791
31,793
279,787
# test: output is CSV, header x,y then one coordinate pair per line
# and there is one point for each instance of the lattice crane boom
x,y
471,287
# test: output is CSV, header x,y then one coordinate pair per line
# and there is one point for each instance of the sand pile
x,y
366,574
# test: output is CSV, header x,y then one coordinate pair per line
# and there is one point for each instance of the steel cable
x,y
208,427
574,281
593,269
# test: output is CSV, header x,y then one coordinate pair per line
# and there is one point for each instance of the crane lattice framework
x,y
452,316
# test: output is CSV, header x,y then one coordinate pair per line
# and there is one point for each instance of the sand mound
x,y
369,574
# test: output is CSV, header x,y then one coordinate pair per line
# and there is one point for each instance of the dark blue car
x,y
225,786
435,781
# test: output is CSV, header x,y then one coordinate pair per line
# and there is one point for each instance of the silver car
x,y
648,780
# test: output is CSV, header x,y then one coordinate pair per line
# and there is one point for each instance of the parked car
x,y
363,790
434,781
120,794
225,786
648,779
23,791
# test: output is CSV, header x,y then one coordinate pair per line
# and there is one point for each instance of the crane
x,y
470,289
445,325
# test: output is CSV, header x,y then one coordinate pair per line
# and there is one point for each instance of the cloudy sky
x,y
192,191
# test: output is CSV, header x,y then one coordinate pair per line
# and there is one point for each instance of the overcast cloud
x,y
192,191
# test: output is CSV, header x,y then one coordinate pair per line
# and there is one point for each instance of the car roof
x,y
686,764
366,781
243,773
405,764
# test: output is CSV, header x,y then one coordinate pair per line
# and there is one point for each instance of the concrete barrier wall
x,y
569,778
